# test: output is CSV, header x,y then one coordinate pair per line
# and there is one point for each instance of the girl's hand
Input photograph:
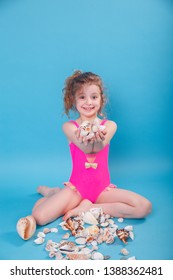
x,y
80,139
100,136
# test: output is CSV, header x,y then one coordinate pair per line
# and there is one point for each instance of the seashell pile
x,y
88,129
85,233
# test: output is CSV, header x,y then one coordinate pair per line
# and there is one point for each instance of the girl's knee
x,y
39,217
144,209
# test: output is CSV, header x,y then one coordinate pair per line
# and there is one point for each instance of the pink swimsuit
x,y
90,173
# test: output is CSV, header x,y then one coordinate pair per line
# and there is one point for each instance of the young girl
x,y
89,185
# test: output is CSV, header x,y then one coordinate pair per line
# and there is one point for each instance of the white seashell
x,y
26,227
102,219
110,221
46,230
120,220
102,127
62,224
95,128
104,224
41,234
80,240
129,228
97,256
59,256
110,239
52,254
66,236
88,218
39,240
85,251
54,230
131,235
107,216
132,258
124,251
97,212
94,248
94,243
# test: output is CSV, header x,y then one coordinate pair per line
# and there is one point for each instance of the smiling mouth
x,y
88,108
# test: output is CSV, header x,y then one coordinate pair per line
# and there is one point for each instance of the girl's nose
x,y
88,101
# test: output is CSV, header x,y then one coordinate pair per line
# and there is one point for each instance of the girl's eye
x,y
95,97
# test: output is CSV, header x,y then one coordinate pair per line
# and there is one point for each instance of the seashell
x,y
41,234
131,235
107,216
124,251
102,127
110,221
94,248
26,227
46,230
66,247
52,254
122,234
120,220
94,243
92,230
95,128
97,256
66,236
78,256
80,240
97,212
110,239
59,256
132,258
102,219
69,224
54,230
85,251
105,224
107,257
129,228
88,218
39,240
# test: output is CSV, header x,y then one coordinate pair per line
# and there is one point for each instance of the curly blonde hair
x,y
75,83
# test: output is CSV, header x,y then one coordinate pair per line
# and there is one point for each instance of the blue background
x,y
130,45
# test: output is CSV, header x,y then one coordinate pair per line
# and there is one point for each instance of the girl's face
x,y
88,101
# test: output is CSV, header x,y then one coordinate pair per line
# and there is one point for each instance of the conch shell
x,y
89,218
122,234
26,227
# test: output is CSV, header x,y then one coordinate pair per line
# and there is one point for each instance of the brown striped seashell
x,y
123,235
26,227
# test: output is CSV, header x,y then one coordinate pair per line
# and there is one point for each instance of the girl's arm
x,y
72,134
90,146
103,138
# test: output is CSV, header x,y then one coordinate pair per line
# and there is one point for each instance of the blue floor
x,y
151,178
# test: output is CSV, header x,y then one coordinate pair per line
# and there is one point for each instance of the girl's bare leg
x,y
50,208
46,191
118,203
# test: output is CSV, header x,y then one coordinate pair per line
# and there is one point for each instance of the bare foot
x,y
46,191
84,206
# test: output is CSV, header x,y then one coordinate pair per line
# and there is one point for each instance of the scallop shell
x,y
46,230
26,227
41,234
97,256
80,240
54,230
39,240
129,228
120,220
124,251
88,218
